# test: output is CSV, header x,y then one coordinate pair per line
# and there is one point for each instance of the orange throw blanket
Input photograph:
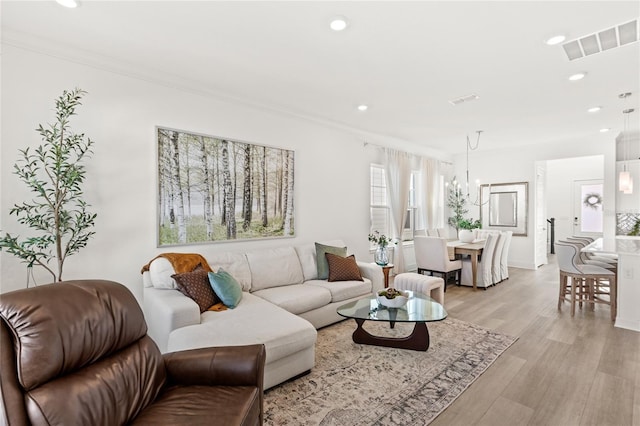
x,y
182,262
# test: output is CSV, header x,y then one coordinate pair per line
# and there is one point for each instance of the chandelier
x,y
471,147
625,181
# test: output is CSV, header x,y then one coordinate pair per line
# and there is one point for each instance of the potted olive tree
x,y
58,215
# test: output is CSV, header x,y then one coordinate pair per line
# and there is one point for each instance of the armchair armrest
x,y
374,273
223,366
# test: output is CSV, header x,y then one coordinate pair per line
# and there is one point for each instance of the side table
x,y
385,271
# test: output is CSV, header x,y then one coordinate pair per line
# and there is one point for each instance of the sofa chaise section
x,y
283,303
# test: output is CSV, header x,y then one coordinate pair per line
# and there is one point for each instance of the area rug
x,y
354,384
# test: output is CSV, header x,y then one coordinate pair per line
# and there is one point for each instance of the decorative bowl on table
x,y
392,298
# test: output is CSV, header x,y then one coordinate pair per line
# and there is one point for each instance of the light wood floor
x,y
561,371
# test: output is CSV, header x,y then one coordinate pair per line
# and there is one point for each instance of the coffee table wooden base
x,y
418,340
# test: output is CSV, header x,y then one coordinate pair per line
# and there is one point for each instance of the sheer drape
x,y
398,177
430,192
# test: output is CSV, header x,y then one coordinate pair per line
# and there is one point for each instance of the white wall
x,y
561,175
120,113
518,165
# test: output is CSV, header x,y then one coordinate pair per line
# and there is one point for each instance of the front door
x,y
587,208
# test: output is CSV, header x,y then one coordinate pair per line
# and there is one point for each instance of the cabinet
x,y
628,203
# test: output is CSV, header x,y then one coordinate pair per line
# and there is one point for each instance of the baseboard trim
x,y
628,324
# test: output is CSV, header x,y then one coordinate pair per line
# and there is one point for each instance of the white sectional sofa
x,y
283,303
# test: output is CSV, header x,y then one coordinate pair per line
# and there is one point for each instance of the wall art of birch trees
x,y
215,189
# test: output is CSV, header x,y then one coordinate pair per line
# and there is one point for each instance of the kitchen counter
x,y
628,251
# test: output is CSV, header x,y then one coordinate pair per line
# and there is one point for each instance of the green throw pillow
x,y
226,288
321,259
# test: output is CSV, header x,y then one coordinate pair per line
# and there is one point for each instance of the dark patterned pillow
x,y
196,285
343,268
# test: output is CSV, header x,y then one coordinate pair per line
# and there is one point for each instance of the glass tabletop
x,y
419,308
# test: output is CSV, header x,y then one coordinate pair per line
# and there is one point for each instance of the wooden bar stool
x,y
589,283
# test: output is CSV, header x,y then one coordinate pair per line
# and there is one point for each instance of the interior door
x,y
587,207
541,215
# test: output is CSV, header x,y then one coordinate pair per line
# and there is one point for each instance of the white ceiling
x,y
406,60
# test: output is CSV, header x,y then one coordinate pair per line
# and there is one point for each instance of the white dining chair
x,y
432,256
485,265
504,256
496,268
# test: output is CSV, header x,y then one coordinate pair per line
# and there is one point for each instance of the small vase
x,y
381,257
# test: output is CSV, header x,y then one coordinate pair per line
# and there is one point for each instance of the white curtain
x,y
430,192
398,177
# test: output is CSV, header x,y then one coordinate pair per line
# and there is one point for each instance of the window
x,y
380,212
380,209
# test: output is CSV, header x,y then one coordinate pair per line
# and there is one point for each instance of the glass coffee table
x,y
420,309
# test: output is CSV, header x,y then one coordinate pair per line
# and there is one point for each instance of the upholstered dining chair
x,y
496,265
77,353
584,283
432,256
504,256
485,265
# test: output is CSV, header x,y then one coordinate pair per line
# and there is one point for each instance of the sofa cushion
x,y
235,264
321,259
274,268
343,290
195,285
226,288
343,268
307,256
254,321
296,298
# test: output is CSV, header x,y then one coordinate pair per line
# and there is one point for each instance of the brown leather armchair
x,y
77,353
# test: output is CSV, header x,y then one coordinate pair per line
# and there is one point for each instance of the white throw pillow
x,y
160,272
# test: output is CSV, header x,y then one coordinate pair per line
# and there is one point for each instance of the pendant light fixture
x,y
477,202
625,181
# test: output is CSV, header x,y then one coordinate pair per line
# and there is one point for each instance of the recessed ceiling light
x,y
557,39
594,109
68,3
604,130
338,23
578,76
363,107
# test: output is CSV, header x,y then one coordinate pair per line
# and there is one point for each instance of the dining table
x,y
473,249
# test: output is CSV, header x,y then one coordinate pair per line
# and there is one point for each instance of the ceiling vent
x,y
463,99
602,40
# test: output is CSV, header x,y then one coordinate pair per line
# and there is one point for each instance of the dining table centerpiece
x,y
467,230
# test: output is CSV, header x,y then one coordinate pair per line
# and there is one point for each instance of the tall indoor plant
x,y
54,171
456,203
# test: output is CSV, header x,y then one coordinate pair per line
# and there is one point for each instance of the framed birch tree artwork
x,y
213,189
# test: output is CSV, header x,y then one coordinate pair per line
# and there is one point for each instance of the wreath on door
x,y
592,200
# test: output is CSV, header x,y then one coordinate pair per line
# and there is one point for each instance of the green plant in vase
x,y
54,171
465,229
381,256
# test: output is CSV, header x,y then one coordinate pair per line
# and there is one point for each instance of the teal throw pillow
x,y
321,259
226,288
